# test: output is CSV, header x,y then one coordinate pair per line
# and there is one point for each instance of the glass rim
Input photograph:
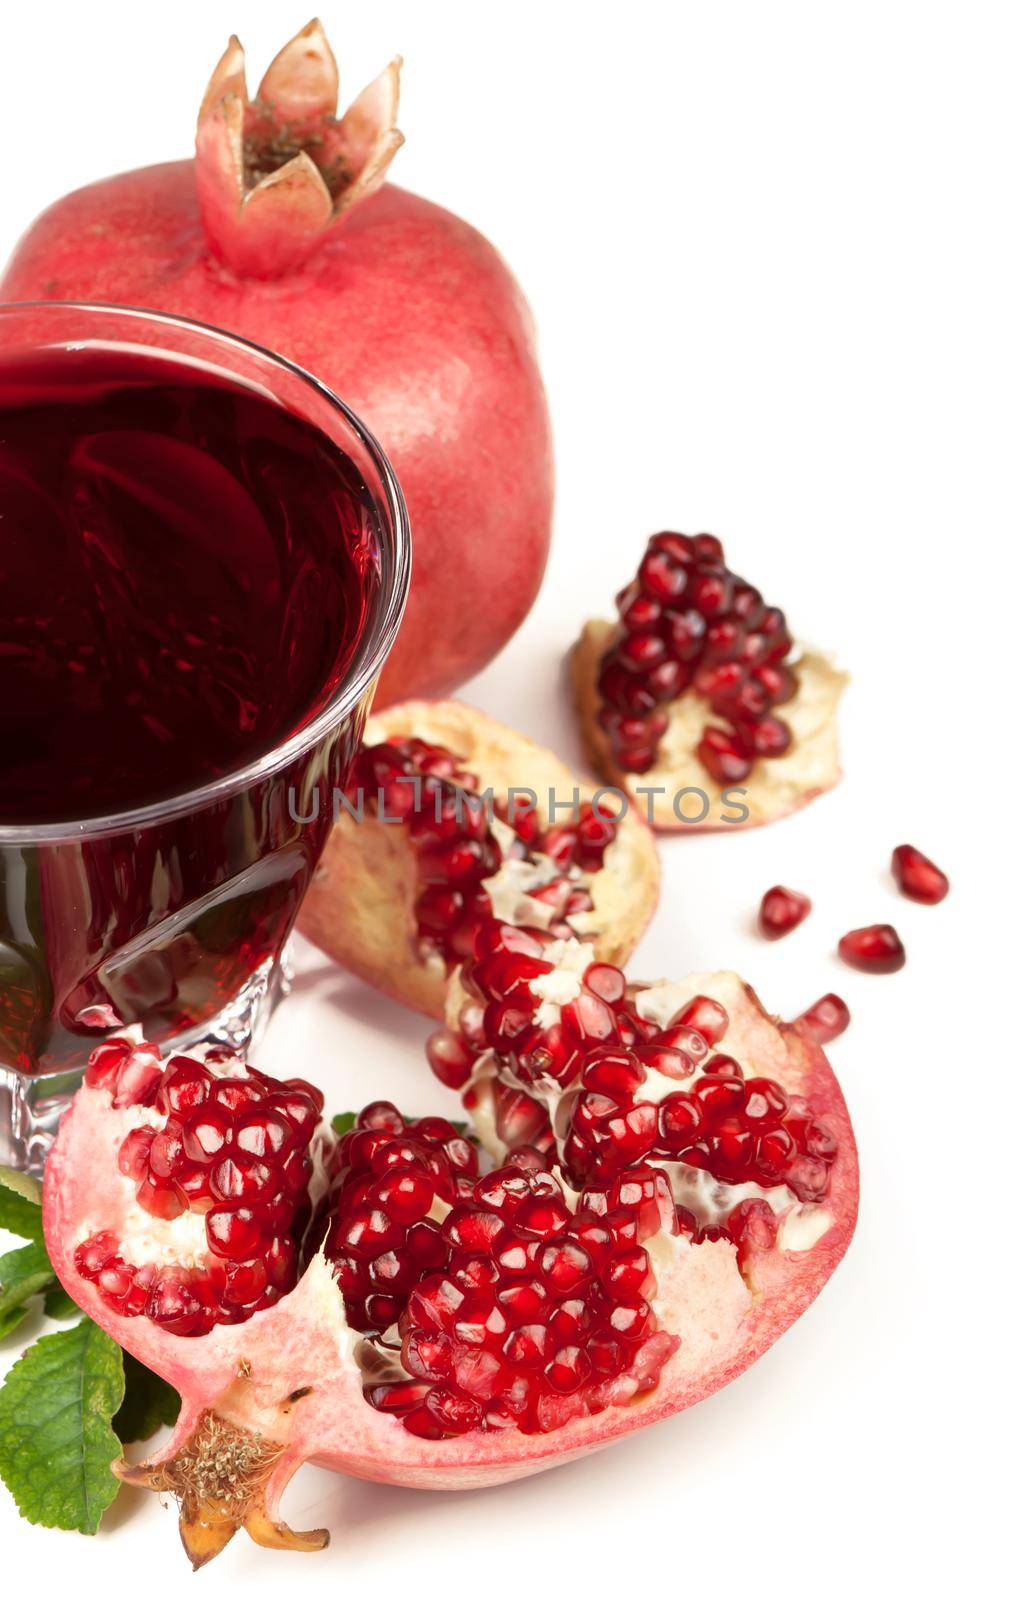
x,y
379,632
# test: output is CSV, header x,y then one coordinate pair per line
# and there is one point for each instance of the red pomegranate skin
x,y
409,315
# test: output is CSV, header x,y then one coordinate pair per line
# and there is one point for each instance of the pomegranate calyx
x,y
273,173
220,1478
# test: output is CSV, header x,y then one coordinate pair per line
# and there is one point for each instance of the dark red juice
x,y
185,570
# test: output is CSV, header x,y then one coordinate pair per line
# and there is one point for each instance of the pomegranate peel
x,y
773,788
291,1382
362,908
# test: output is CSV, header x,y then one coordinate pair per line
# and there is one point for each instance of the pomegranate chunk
x,y
917,876
424,787
873,949
235,1147
687,622
782,910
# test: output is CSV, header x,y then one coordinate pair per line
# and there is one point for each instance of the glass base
x,y
31,1108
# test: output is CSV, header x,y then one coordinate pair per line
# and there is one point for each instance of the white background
x,y
778,255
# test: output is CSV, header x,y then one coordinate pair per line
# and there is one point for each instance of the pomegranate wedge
x,y
698,688
423,856
389,1305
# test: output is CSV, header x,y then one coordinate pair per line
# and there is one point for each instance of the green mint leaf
x,y
20,1199
344,1121
56,1439
23,1273
21,1183
149,1403
59,1304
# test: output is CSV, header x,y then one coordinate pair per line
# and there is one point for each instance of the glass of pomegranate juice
x,y
204,558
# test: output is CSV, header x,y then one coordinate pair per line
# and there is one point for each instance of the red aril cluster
x,y
235,1147
687,622
603,1052
423,787
515,1307
390,1177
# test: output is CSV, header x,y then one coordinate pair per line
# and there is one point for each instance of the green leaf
x,y
23,1273
344,1121
20,1199
21,1183
60,1305
56,1439
149,1403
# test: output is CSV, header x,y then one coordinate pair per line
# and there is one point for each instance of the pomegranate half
x,y
415,864
697,701
381,1306
284,230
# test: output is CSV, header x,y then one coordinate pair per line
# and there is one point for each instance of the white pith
x,y
564,983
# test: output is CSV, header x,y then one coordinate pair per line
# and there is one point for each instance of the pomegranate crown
x,y
273,173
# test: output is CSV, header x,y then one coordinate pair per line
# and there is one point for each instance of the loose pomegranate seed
x,y
873,949
687,622
826,1019
450,1058
424,786
233,1148
782,910
917,877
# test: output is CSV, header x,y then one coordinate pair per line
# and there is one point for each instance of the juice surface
x,y
183,577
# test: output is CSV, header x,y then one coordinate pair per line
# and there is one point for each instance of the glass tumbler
x,y
174,915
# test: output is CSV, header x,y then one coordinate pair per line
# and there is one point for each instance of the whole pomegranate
x,y
666,1179
283,230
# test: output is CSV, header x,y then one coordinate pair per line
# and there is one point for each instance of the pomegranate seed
x,y
873,949
917,877
826,1019
724,755
708,1017
782,910
450,1058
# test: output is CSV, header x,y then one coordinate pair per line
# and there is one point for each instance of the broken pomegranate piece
x,y
452,819
698,688
917,877
667,1179
873,949
230,1152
